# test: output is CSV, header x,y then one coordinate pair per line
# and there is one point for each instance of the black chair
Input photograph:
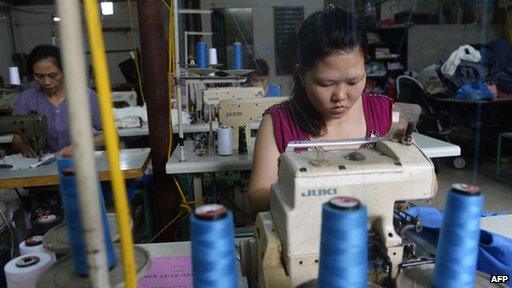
x,y
431,122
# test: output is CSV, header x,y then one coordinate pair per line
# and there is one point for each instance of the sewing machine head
x,y
212,96
236,113
379,176
32,128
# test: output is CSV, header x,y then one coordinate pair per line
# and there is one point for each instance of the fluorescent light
x,y
107,8
56,19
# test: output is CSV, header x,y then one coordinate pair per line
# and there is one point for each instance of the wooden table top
x,y
133,164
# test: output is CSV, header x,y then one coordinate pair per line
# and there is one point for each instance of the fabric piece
x,y
185,117
377,112
464,52
469,73
273,90
168,272
35,101
17,161
430,216
474,92
430,80
131,117
495,251
497,57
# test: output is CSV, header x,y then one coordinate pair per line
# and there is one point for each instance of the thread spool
x,y
68,192
457,249
212,56
238,60
34,244
23,271
242,140
224,140
213,252
44,223
202,55
343,244
14,76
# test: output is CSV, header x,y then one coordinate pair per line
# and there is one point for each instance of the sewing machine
x,y
213,96
285,251
124,99
32,128
240,112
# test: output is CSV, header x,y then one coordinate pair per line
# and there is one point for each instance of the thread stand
x,y
56,239
201,71
238,72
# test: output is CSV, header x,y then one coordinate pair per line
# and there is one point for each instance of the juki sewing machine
x,y
285,251
32,128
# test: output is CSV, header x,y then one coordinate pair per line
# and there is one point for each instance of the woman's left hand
x,y
64,150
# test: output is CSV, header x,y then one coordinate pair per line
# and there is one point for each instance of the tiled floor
x,y
498,195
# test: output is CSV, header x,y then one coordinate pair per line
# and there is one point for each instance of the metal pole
x,y
154,71
81,139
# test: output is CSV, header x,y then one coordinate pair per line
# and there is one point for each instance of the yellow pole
x,y
102,81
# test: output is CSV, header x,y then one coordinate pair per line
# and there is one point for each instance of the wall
x,y
34,26
428,44
263,24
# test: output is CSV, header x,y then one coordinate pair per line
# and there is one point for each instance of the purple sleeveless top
x,y
377,110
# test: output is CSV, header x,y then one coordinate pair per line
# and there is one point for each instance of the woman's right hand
x,y
28,152
18,145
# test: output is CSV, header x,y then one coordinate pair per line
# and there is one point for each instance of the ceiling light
x,y
56,19
107,8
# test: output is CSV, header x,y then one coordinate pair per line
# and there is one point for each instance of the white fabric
x,y
132,117
185,116
17,161
453,62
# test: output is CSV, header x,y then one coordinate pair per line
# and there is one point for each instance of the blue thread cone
x,y
68,192
238,60
202,55
343,244
213,247
457,249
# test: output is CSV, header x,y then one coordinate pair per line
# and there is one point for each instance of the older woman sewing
x,y
49,99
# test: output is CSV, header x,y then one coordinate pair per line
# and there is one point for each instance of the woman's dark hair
x,y
260,67
321,34
43,52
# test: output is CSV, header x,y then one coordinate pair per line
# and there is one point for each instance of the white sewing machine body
x,y
124,98
388,173
212,96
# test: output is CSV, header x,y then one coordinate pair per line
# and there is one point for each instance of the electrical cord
x,y
166,226
137,68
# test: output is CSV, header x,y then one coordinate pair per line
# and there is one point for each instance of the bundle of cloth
x,y
132,117
479,71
